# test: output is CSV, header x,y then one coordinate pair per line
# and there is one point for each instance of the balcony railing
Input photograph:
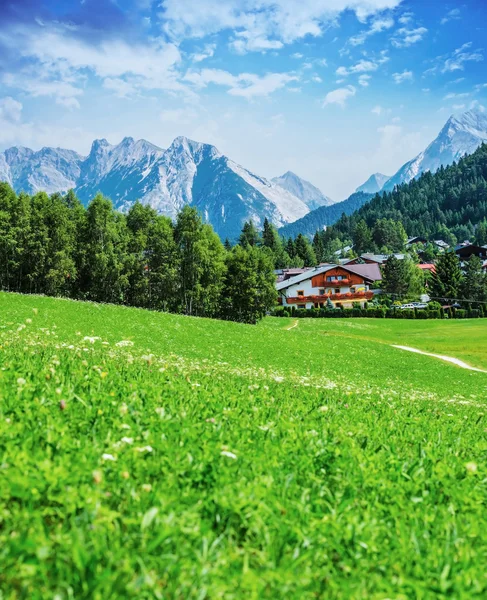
x,y
348,296
337,282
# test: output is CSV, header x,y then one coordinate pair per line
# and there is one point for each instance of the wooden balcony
x,y
347,297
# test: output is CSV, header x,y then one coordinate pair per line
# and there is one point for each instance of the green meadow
x,y
147,455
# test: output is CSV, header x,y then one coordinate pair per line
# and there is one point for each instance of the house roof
x,y
427,267
369,272
380,258
462,250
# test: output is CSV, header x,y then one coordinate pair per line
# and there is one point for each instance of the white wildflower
x,y
108,457
228,454
145,449
92,340
127,440
124,343
21,381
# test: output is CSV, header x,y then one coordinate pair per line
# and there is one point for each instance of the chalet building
x,y
464,252
343,285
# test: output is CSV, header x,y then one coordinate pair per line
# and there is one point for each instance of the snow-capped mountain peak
x,y
373,184
462,134
302,189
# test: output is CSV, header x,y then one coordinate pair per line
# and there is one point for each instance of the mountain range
x,y
187,172
225,193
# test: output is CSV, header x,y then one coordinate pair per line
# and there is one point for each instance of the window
x,y
317,305
322,291
340,277
330,278
301,305
300,292
337,290
352,290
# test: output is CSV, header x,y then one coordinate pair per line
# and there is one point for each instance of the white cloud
x,y
456,62
207,52
63,60
119,86
339,96
363,66
10,110
377,26
246,85
37,83
451,16
245,42
401,77
178,116
458,106
377,110
406,18
405,37
316,79
297,55
262,20
364,80
451,95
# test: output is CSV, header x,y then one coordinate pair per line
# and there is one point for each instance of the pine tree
x,y
474,285
362,238
305,251
447,280
481,233
227,245
249,235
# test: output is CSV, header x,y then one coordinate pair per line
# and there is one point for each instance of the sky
x,y
333,90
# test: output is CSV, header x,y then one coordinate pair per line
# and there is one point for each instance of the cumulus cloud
x,y
261,22
402,77
364,80
10,110
363,66
246,85
207,52
456,62
63,61
451,15
339,96
377,26
405,37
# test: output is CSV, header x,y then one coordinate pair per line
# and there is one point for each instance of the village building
x,y
343,285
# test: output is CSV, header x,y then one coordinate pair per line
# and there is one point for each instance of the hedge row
x,y
379,313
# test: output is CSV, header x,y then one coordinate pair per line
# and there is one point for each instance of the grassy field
x,y
145,455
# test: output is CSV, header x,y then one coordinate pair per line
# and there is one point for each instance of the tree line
x,y
449,284
53,245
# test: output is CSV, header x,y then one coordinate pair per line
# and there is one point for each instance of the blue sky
x,y
333,90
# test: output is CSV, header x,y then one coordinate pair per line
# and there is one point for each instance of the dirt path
x,y
295,324
450,359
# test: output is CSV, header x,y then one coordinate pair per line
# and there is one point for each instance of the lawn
x,y
146,455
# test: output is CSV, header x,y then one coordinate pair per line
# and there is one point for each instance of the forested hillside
x,y
448,204
325,215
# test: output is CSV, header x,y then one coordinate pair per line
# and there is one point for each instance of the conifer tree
x,y
447,280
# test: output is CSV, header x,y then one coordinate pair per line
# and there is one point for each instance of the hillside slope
x,y
317,219
454,198
148,455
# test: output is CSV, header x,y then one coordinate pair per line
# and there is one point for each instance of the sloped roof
x,y
370,272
